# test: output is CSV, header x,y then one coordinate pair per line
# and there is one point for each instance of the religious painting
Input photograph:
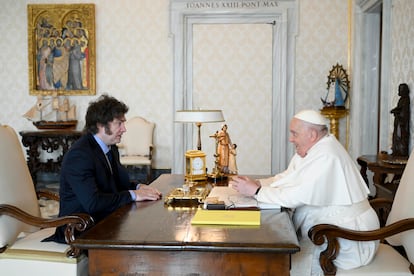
x,y
61,40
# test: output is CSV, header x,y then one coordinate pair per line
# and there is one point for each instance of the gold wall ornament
x,y
61,49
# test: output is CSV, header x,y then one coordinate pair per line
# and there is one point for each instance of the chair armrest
x,y
47,194
321,232
75,222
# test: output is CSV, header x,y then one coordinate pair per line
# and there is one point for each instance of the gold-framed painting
x,y
61,49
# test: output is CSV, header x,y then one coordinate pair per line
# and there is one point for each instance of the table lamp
x,y
195,160
199,116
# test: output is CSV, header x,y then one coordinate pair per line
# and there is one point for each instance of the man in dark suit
x,y
92,179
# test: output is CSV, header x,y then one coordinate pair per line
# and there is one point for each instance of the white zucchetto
x,y
311,116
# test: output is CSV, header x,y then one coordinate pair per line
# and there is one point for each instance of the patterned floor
x,y
48,208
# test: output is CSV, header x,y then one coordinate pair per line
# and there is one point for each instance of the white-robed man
x,y
323,185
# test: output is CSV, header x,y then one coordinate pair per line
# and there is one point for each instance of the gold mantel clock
x,y
195,165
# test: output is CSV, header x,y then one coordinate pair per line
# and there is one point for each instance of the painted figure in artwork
x,y
74,70
43,65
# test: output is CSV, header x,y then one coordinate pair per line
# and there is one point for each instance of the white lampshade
x,y
199,116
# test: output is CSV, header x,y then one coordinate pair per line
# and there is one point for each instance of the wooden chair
x,y
398,231
22,228
136,147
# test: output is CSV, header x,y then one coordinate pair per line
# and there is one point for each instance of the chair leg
x,y
149,174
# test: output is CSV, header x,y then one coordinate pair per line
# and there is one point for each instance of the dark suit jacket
x,y
87,184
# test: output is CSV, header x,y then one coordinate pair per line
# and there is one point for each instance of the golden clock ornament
x,y
195,165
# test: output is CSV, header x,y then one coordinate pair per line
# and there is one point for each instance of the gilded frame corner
x,y
61,49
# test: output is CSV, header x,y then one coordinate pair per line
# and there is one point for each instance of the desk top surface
x,y
152,225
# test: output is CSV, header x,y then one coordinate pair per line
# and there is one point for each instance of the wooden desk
x,y
150,238
48,141
381,165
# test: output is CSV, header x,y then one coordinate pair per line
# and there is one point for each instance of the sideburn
x,y
107,130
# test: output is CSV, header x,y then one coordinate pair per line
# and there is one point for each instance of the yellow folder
x,y
226,217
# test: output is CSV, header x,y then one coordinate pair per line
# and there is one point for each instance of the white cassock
x,y
325,186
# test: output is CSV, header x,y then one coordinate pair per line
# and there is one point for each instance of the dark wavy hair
x,y
102,111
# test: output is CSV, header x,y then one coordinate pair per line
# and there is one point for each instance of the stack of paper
x,y
233,199
226,217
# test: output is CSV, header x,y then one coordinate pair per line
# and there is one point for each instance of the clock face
x,y
197,164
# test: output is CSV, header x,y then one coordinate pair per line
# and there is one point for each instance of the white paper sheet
x,y
233,199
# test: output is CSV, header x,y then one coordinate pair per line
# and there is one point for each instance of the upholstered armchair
x,y
136,147
21,226
398,217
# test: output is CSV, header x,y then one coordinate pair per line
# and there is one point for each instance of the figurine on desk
x,y
401,134
223,143
232,159
223,148
225,152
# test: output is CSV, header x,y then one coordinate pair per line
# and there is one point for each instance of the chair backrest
x,y
16,186
138,137
403,207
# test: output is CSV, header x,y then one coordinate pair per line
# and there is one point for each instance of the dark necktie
x,y
110,161
113,168
110,157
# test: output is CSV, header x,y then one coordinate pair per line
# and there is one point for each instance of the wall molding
x,y
283,16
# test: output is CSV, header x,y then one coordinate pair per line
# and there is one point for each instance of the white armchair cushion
x,y
29,254
31,246
387,261
16,186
